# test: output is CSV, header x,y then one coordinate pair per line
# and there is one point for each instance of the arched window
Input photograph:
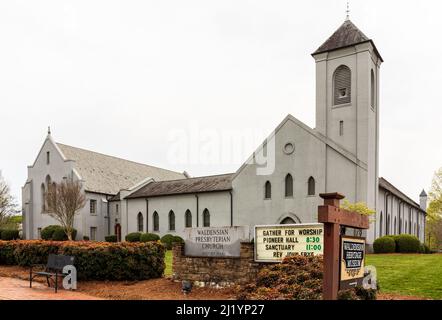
x,y
140,222
380,225
394,230
156,221
342,85
43,198
387,229
288,220
171,220
188,219
400,225
48,180
206,218
268,190
48,184
373,90
288,186
311,186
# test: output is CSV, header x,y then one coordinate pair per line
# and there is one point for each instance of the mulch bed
x,y
154,289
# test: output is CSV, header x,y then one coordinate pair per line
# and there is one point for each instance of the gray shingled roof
x,y
107,174
346,35
185,186
383,183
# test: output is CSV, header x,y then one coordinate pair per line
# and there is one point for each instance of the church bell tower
x,y
347,103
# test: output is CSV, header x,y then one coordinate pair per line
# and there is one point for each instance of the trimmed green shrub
x,y
384,245
93,260
133,237
147,237
177,239
47,232
56,233
406,243
9,235
168,241
111,238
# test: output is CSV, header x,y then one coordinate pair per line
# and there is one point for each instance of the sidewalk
x,y
16,289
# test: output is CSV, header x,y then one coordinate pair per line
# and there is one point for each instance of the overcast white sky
x,y
118,77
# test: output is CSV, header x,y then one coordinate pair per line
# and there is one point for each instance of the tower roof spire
x,y
348,11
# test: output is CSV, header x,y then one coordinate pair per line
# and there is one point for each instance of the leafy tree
x,y
434,212
359,207
8,206
64,200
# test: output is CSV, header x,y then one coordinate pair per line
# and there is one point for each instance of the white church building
x,y
280,183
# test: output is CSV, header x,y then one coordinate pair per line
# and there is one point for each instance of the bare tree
x,y
8,206
64,200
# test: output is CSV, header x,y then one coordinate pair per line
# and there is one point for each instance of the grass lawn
x,y
168,260
418,275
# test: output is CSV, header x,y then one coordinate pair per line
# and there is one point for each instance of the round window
x,y
289,148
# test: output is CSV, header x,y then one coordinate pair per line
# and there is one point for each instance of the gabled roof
x,y
383,183
347,35
107,174
185,186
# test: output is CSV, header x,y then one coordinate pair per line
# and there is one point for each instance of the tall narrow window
x,y
48,184
43,198
48,157
289,186
311,186
381,226
387,229
117,209
268,190
188,219
156,221
93,206
140,222
342,85
39,233
394,230
206,218
373,90
341,128
171,220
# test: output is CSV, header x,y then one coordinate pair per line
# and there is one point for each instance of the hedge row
x,y
93,260
6,234
168,240
404,243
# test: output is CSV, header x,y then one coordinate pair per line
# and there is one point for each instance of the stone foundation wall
x,y
215,271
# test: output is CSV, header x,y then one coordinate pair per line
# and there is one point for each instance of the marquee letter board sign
x,y
352,262
275,242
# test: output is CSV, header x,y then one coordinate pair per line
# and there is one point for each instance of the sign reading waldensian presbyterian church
x,y
215,242
274,243
352,262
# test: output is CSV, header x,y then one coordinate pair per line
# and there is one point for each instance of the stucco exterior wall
x,y
218,204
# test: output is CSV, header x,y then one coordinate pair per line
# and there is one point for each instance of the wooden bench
x,y
52,270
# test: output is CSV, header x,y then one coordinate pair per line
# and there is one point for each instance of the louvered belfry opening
x,y
342,85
